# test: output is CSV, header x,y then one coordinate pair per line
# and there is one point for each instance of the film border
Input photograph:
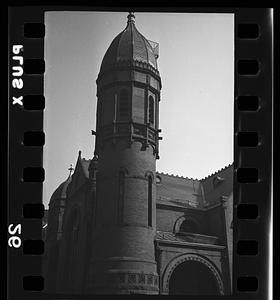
x,y
255,191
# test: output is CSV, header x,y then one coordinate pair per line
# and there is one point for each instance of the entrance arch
x,y
192,274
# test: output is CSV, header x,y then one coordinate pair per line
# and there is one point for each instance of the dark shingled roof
x,y
129,45
60,192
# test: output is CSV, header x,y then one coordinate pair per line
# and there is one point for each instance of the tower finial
x,y
71,169
130,17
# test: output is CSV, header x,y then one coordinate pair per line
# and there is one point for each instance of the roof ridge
x,y
216,172
195,179
144,41
177,176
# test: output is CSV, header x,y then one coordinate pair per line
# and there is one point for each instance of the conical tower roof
x,y
130,46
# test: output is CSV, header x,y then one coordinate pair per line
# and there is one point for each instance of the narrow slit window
x,y
123,104
121,196
150,200
151,110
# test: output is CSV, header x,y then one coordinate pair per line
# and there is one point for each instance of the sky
x,y
196,65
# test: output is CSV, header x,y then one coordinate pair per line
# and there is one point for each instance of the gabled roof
x,y
178,191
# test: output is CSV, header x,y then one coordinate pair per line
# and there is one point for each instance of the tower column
x,y
124,257
128,91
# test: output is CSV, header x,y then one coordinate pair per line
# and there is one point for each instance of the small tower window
x,y
123,104
121,196
150,200
151,110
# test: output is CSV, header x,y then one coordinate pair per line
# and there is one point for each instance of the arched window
x,y
151,110
121,195
123,104
150,200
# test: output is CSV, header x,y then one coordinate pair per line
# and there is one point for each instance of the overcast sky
x,y
196,64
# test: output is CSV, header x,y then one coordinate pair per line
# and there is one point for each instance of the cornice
x,y
128,65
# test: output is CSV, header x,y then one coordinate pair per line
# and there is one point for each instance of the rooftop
x,y
129,46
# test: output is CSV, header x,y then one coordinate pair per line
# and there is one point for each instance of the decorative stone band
x,y
125,280
191,257
130,131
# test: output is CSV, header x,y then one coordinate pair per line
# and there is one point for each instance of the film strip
x,y
252,152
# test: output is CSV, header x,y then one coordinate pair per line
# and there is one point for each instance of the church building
x,y
116,225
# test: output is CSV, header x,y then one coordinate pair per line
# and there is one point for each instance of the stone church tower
x,y
128,92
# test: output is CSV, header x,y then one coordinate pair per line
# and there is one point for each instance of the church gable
x,y
80,175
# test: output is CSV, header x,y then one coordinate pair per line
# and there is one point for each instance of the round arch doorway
x,y
193,278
